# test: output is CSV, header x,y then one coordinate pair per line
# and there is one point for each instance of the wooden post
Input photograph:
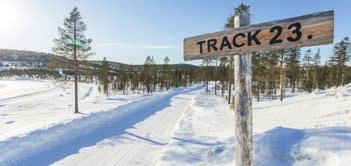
x,y
243,102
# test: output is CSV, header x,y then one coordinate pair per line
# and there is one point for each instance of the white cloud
x,y
108,44
135,46
157,46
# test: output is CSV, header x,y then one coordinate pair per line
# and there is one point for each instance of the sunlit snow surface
x,y
307,129
180,127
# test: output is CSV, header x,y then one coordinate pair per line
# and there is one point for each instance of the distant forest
x,y
275,71
289,68
149,77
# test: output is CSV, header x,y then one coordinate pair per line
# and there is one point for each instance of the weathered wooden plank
x,y
243,102
307,30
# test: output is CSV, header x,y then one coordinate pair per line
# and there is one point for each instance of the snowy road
x,y
129,133
148,135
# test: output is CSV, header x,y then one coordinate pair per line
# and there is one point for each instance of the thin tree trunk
x,y
222,87
293,82
342,76
317,80
258,91
76,110
206,76
315,84
281,76
215,87
272,87
215,77
330,76
230,79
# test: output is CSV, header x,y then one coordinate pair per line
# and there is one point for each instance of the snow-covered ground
x,y
28,105
179,127
309,129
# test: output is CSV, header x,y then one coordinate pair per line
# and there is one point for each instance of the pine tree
x,y
282,74
165,74
258,70
206,73
134,78
73,44
148,74
104,77
168,74
307,58
342,56
293,66
216,74
222,73
316,63
123,79
154,75
240,9
89,73
270,59
332,71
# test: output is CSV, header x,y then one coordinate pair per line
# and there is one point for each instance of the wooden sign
x,y
308,30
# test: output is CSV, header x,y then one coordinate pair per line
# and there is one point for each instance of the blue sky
x,y
129,30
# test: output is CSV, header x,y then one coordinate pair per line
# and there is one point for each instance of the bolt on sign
x,y
308,30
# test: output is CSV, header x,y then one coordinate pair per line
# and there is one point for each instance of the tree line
x,y
148,78
275,71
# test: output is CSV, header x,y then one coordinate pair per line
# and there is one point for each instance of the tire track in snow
x,y
50,87
140,148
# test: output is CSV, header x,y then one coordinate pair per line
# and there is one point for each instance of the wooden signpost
x,y
309,30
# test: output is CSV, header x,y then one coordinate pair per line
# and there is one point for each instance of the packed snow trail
x,y
138,143
158,113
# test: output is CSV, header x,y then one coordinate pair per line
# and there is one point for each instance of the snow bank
x,y
339,92
316,91
205,134
201,136
273,147
312,147
324,147
277,147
